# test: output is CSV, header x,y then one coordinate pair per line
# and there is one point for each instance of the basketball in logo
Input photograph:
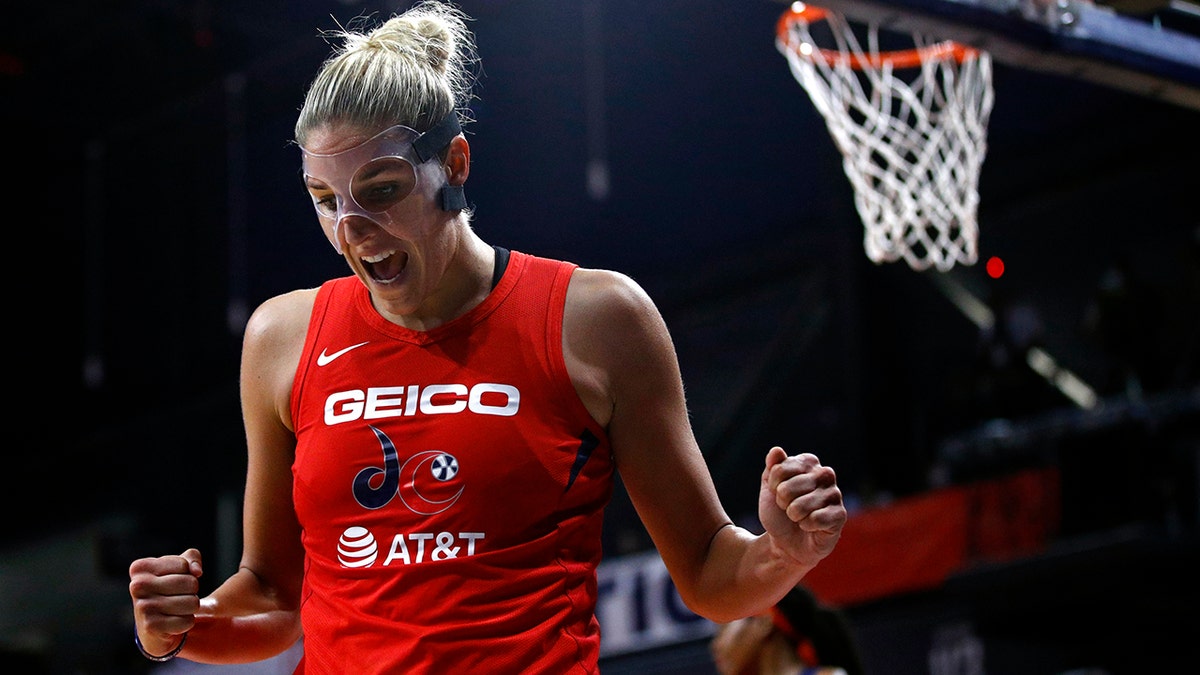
x,y
444,467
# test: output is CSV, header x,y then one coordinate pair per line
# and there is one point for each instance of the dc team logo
x,y
427,483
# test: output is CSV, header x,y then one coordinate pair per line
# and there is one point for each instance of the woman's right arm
x,y
254,614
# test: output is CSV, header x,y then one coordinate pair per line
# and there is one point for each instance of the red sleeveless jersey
x,y
450,486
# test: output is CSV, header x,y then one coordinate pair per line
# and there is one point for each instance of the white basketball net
x,y
911,149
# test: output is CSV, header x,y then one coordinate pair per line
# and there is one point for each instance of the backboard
x,y
1147,47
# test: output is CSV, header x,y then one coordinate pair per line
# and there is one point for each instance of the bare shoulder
x,y
605,295
604,321
281,320
614,340
274,336
271,349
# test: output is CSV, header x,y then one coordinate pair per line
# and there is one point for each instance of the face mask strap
x,y
439,136
453,198
429,144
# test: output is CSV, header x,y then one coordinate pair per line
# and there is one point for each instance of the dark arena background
x,y
1019,452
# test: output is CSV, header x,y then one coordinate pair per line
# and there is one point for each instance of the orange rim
x,y
902,58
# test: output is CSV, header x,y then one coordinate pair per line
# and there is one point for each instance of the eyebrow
x,y
317,184
374,171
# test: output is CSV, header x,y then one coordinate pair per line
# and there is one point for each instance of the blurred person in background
x,y
798,636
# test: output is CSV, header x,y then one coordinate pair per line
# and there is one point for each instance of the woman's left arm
x,y
623,362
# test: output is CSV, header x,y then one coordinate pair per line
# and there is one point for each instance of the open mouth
x,y
384,267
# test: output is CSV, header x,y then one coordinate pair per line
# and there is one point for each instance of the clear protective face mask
x,y
375,179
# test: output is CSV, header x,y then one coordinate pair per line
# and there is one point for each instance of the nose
x,y
355,229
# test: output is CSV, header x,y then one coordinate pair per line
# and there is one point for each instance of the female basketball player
x,y
432,440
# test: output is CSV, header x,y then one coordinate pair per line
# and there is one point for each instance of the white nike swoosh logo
x,y
324,359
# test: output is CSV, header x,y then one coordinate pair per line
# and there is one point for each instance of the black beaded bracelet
x,y
137,640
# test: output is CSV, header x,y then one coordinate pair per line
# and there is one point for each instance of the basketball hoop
x,y
913,148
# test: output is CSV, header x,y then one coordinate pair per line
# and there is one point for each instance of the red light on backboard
x,y
995,267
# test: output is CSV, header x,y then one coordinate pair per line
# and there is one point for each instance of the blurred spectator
x,y
799,636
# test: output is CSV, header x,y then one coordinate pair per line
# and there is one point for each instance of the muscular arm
x,y
624,365
254,614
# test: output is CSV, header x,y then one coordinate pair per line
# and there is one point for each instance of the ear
x,y
458,160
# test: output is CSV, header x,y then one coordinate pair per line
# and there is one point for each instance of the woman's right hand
x,y
165,594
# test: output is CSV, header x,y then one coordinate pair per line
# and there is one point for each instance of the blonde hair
x,y
413,69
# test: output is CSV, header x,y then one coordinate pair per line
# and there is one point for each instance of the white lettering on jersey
x,y
445,546
484,398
